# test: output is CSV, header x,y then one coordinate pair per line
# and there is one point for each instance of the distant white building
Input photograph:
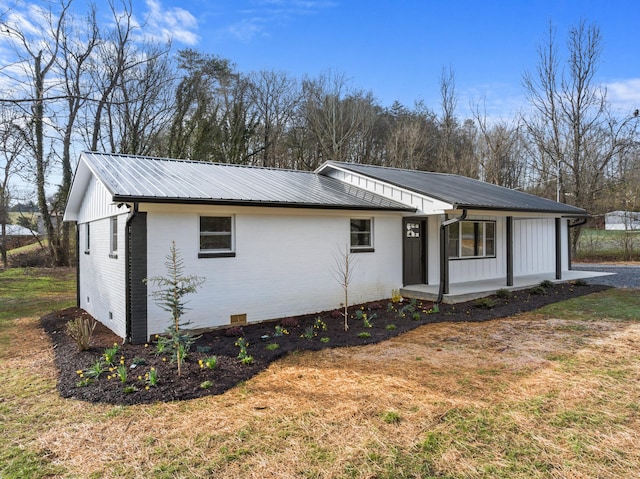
x,y
622,220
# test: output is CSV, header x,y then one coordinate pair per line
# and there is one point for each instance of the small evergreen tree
x,y
169,296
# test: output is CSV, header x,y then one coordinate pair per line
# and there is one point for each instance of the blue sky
x,y
398,48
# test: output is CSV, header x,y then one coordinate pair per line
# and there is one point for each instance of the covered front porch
x,y
465,291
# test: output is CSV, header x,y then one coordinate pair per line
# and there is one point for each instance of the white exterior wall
x,y
534,246
463,270
102,278
283,264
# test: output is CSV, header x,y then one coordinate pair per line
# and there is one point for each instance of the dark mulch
x,y
221,343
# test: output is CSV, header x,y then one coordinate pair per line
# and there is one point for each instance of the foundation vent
x,y
238,319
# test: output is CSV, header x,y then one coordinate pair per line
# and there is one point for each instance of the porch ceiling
x,y
461,292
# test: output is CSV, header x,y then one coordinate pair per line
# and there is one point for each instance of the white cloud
x,y
175,23
624,95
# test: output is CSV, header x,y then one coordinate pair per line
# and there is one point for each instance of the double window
x,y
216,236
361,235
472,239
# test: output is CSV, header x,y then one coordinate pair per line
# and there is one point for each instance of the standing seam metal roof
x,y
148,179
460,191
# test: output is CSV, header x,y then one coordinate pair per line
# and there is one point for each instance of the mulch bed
x,y
221,343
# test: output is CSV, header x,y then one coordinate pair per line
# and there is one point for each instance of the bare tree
x,y
274,96
576,135
343,273
38,55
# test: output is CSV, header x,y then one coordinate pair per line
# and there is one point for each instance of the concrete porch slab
x,y
466,291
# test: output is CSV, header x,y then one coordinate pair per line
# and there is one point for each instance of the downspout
x,y
580,222
127,274
444,255
77,265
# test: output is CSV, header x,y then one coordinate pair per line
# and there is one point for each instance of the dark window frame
x,y
113,237
225,252
483,244
87,238
367,233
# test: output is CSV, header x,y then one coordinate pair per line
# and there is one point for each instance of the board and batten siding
x,y
423,204
102,278
534,243
284,263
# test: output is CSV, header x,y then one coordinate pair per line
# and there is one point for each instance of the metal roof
x,y
163,180
460,191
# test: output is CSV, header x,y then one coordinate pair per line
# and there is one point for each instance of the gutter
x,y
444,256
127,274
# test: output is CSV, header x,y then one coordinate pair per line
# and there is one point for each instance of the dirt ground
x,y
305,333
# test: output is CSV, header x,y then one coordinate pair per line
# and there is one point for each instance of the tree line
x,y
76,83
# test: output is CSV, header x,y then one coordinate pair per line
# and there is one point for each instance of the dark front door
x,y
414,247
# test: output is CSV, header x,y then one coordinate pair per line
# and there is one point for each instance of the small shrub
x,y
364,334
233,332
81,331
324,339
390,327
289,323
139,361
485,303
416,316
504,293
243,355
280,331
539,290
309,333
206,385
546,284
209,363
272,346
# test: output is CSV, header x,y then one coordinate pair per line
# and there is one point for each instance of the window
x,y
87,238
113,245
216,236
361,235
472,239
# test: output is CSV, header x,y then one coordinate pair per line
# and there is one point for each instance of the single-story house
x,y
622,220
267,241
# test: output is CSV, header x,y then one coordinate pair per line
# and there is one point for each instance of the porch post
x,y
509,250
444,259
558,248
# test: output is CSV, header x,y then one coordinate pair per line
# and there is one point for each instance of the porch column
x,y
444,259
558,248
509,250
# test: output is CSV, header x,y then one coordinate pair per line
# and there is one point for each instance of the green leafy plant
x,y
546,284
81,330
364,334
206,384
280,331
169,296
111,353
391,417
504,293
152,377
309,333
390,327
243,355
324,339
122,373
84,382
319,324
95,370
209,363
272,346
130,389
416,316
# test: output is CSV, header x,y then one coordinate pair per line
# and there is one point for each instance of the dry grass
x,y
530,396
